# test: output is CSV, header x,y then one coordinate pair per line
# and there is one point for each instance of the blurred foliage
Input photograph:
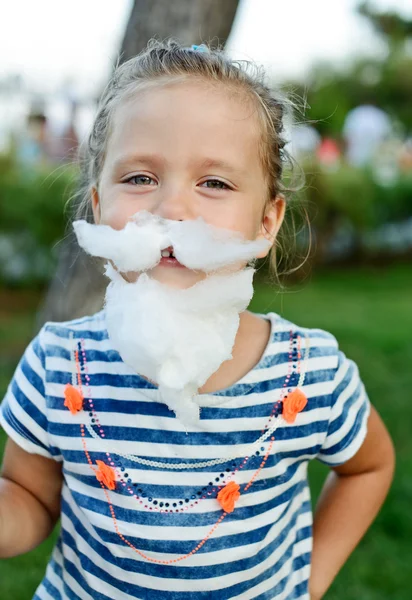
x,y
346,199
394,28
32,219
331,94
355,195
384,80
34,202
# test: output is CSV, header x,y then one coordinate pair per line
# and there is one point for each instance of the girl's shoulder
x,y
311,351
58,342
284,329
331,382
56,337
90,326
307,355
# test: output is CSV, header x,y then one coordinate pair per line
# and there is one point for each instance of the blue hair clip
x,y
201,48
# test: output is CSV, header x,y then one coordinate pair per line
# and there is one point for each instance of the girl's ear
x,y
272,220
96,205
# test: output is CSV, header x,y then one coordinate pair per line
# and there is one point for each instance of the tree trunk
x,y
78,286
189,21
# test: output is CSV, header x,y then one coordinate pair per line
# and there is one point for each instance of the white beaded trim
x,y
73,356
215,461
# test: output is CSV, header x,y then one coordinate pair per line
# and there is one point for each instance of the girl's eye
x,y
139,180
217,187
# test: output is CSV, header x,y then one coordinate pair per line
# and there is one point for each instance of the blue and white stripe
x,y
262,549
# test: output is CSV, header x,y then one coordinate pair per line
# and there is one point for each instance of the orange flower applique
x,y
73,399
293,404
106,475
228,496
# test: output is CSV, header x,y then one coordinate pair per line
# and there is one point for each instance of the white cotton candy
x,y
134,248
206,248
196,244
176,338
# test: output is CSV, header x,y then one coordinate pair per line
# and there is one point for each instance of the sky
x,y
66,48
51,42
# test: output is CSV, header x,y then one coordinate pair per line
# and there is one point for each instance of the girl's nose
x,y
174,205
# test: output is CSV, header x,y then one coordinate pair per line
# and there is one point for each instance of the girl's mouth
x,y
169,260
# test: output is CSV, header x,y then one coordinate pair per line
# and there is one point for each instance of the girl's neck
x,y
250,343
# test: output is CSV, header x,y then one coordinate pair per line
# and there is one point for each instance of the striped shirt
x,y
142,513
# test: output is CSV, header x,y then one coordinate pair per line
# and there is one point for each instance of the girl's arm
x,y
30,487
351,498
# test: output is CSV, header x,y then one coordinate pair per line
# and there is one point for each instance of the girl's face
x,y
184,151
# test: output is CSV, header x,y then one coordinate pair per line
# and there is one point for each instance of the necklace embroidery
x,y
145,556
228,492
294,355
203,493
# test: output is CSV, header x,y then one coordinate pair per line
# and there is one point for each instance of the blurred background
x,y
347,66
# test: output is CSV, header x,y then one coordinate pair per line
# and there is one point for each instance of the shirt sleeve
x,y
349,414
23,412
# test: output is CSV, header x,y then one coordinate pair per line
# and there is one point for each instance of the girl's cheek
x,y
116,212
237,217
115,219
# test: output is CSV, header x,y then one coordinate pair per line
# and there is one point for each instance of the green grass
x,y
370,312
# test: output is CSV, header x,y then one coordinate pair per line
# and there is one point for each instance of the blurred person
x,y
328,154
364,129
66,142
172,430
33,143
304,141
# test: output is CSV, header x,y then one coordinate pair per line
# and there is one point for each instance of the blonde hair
x,y
169,61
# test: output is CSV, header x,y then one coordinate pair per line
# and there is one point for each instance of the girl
x,y
222,509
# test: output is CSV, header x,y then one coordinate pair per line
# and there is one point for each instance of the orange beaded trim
x,y
74,397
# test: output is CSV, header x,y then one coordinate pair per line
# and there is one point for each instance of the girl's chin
x,y
176,277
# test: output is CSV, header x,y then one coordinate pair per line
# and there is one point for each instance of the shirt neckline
x,y
241,387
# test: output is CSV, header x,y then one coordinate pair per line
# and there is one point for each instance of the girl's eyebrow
x,y
220,164
130,160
